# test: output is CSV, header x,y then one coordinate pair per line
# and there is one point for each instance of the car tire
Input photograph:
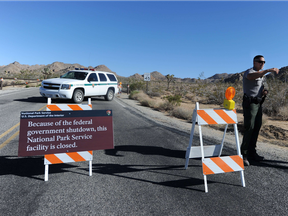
x,y
78,96
110,95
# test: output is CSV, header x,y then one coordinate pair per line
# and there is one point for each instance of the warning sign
x,y
50,132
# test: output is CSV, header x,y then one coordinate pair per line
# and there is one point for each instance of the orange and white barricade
x,y
212,163
70,156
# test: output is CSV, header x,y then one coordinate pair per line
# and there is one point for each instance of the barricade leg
x,y
46,172
90,168
222,144
237,139
239,152
190,144
205,182
202,155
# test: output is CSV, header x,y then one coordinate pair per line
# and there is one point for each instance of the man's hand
x,y
275,70
264,92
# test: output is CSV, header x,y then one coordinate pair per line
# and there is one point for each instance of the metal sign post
x,y
147,78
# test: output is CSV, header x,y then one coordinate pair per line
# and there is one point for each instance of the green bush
x,y
133,94
138,85
174,100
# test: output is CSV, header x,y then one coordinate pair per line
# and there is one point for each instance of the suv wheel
x,y
78,96
110,95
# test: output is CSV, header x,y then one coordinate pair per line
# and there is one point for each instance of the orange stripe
x,y
219,162
206,170
238,160
90,105
206,117
74,107
234,110
91,152
75,156
53,107
225,116
53,159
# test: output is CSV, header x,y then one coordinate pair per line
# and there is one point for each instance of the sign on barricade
x,y
65,133
212,162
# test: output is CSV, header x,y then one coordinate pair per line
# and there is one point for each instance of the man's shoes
x,y
245,161
256,157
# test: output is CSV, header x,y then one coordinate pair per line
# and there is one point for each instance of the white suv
x,y
80,83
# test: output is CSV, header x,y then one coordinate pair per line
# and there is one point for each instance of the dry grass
x,y
184,111
211,96
283,113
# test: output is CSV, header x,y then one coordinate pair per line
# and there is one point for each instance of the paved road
x,y
143,175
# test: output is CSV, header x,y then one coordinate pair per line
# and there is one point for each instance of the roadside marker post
x,y
212,163
71,156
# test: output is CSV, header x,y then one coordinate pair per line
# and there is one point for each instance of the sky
x,y
189,39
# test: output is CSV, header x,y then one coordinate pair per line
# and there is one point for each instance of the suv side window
x,y
92,77
111,77
102,77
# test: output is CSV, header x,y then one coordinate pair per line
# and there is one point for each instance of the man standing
x,y
254,96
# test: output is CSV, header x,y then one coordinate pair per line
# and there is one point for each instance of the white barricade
x,y
215,164
71,156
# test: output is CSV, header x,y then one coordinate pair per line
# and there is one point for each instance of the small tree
x,y
169,78
46,73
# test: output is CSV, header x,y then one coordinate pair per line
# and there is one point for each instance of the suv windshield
x,y
75,75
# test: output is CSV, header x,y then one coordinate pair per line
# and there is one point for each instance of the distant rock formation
x,y
234,77
59,68
102,68
157,76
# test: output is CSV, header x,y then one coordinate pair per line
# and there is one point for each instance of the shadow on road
x,y
271,163
146,150
30,167
32,100
181,182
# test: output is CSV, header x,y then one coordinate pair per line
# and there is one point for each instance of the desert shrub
x,y
283,113
217,93
148,102
143,98
182,113
276,98
154,94
138,85
166,106
133,95
190,97
145,103
174,100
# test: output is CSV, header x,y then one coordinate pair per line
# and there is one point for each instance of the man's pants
x,y
252,124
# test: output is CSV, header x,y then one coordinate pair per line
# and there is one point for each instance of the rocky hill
x,y
55,69
59,68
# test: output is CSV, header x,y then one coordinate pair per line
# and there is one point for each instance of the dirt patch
x,y
273,132
274,135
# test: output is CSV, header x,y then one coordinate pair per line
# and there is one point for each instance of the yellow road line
x,y
9,130
15,134
8,140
